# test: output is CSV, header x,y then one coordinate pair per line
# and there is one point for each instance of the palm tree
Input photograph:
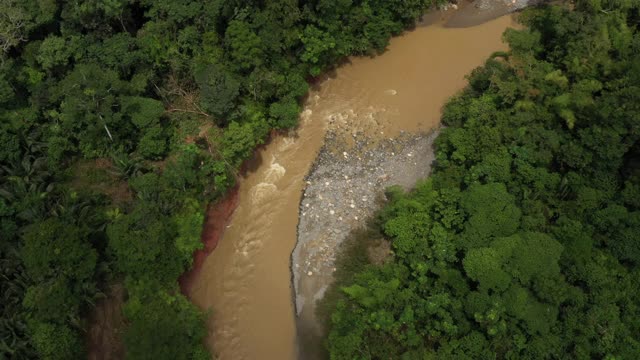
x,y
14,341
26,186
127,166
26,181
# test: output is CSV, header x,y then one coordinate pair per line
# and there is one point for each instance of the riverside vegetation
x,y
523,244
119,121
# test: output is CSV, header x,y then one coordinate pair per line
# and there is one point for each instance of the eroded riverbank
x,y
247,279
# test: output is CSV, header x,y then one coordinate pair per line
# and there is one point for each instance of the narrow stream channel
x,y
246,281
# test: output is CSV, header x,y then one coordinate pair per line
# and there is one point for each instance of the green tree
x,y
317,48
142,243
286,113
54,249
244,45
492,213
219,90
89,102
55,342
189,222
164,326
239,140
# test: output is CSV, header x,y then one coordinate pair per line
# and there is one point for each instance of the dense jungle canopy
x,y
121,119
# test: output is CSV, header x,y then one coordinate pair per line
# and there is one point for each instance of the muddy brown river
x,y
246,281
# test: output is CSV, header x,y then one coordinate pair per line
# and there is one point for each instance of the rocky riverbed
x,y
470,13
343,190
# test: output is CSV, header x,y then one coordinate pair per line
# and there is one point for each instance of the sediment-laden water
x,y
247,280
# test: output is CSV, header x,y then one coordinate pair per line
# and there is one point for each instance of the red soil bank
x,y
215,222
217,218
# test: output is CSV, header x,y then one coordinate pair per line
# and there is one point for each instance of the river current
x,y
246,281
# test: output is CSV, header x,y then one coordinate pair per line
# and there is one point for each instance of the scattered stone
x,y
347,180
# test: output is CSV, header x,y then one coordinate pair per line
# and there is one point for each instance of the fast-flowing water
x,y
246,281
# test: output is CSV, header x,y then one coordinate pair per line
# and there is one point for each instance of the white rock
x,y
310,273
355,217
326,183
331,212
353,206
306,205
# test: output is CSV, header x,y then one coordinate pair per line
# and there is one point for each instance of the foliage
x,y
219,90
153,255
165,100
163,326
523,243
56,342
